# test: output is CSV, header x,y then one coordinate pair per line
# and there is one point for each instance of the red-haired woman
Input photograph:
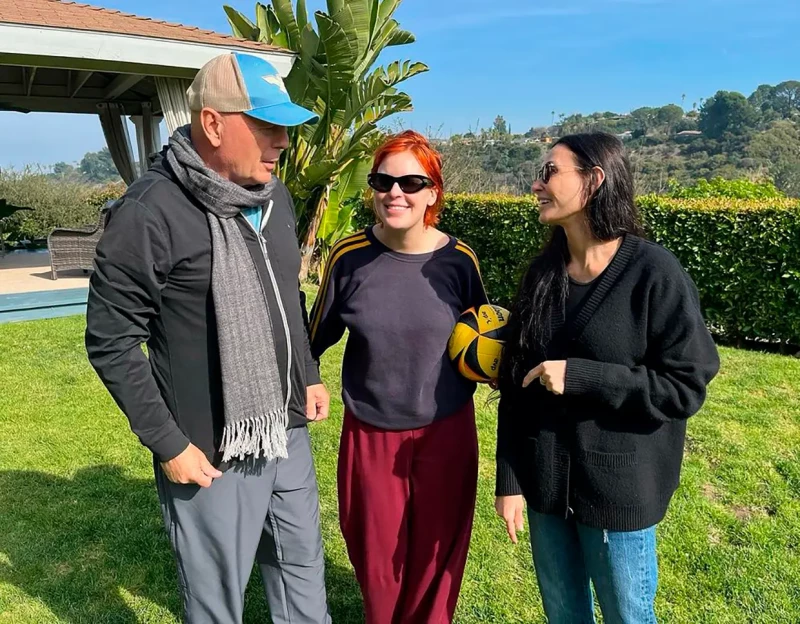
x,y
408,459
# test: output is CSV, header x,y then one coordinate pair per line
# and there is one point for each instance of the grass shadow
x,y
92,548
74,544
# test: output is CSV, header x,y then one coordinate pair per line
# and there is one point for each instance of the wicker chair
x,y
74,248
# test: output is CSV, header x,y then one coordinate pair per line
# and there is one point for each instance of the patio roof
x,y
67,57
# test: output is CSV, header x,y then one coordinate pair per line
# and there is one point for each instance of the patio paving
x,y
26,272
28,291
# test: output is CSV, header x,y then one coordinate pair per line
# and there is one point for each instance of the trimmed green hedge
x,y
744,255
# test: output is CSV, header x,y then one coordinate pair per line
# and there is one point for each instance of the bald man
x,y
200,262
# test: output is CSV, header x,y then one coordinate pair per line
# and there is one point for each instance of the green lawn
x,y
81,538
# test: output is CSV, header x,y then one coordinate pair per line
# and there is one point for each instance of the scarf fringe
x,y
262,434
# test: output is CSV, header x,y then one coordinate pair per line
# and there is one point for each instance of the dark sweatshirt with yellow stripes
x,y
400,310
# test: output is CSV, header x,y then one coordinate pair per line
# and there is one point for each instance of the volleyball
x,y
476,344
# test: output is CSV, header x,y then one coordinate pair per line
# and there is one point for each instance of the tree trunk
x,y
307,248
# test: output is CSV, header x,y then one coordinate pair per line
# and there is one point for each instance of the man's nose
x,y
282,140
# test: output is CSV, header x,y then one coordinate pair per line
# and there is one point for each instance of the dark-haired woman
x,y
608,357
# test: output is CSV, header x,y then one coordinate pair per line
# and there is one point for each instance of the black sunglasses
x,y
383,182
548,170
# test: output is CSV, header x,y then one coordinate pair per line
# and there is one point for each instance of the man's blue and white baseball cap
x,y
243,83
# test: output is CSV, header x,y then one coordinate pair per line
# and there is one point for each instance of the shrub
x,y
743,254
505,233
744,257
55,203
720,187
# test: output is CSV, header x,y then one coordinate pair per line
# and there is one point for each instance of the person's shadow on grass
x,y
91,547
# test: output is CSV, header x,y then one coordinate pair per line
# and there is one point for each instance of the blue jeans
x,y
621,565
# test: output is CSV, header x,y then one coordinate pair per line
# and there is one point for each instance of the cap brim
x,y
285,114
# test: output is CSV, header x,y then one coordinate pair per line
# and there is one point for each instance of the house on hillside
x,y
625,136
689,133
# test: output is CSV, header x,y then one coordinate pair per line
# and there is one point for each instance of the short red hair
x,y
428,158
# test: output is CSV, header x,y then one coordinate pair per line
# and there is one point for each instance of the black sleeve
x,y
506,483
131,266
327,327
681,360
476,293
312,365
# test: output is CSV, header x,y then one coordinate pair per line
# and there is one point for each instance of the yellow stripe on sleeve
x,y
465,249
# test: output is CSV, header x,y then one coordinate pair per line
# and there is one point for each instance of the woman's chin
x,y
546,218
554,216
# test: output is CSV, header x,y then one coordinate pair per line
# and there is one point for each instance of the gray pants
x,y
259,509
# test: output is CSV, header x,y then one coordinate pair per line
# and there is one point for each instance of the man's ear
x,y
212,124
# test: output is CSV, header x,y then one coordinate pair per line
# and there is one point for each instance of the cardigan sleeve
x,y
681,359
506,483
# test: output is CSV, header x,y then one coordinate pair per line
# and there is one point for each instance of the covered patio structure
x,y
66,57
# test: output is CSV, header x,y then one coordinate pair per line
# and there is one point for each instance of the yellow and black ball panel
x,y
481,359
470,318
465,331
476,344
492,321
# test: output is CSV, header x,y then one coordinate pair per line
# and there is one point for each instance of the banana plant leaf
x,y
336,74
6,209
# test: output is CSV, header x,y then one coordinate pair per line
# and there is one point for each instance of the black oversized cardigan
x,y
608,451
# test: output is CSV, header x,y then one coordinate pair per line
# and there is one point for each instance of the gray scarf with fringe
x,y
255,406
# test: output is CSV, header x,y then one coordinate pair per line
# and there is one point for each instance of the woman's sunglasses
x,y
548,170
383,182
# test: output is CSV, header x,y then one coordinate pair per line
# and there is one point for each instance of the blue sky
x,y
518,58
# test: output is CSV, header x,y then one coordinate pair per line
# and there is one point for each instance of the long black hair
x,y
610,212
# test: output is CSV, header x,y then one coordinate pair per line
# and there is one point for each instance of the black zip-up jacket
x,y
152,284
639,358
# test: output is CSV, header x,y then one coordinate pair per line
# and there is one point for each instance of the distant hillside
x,y
727,135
